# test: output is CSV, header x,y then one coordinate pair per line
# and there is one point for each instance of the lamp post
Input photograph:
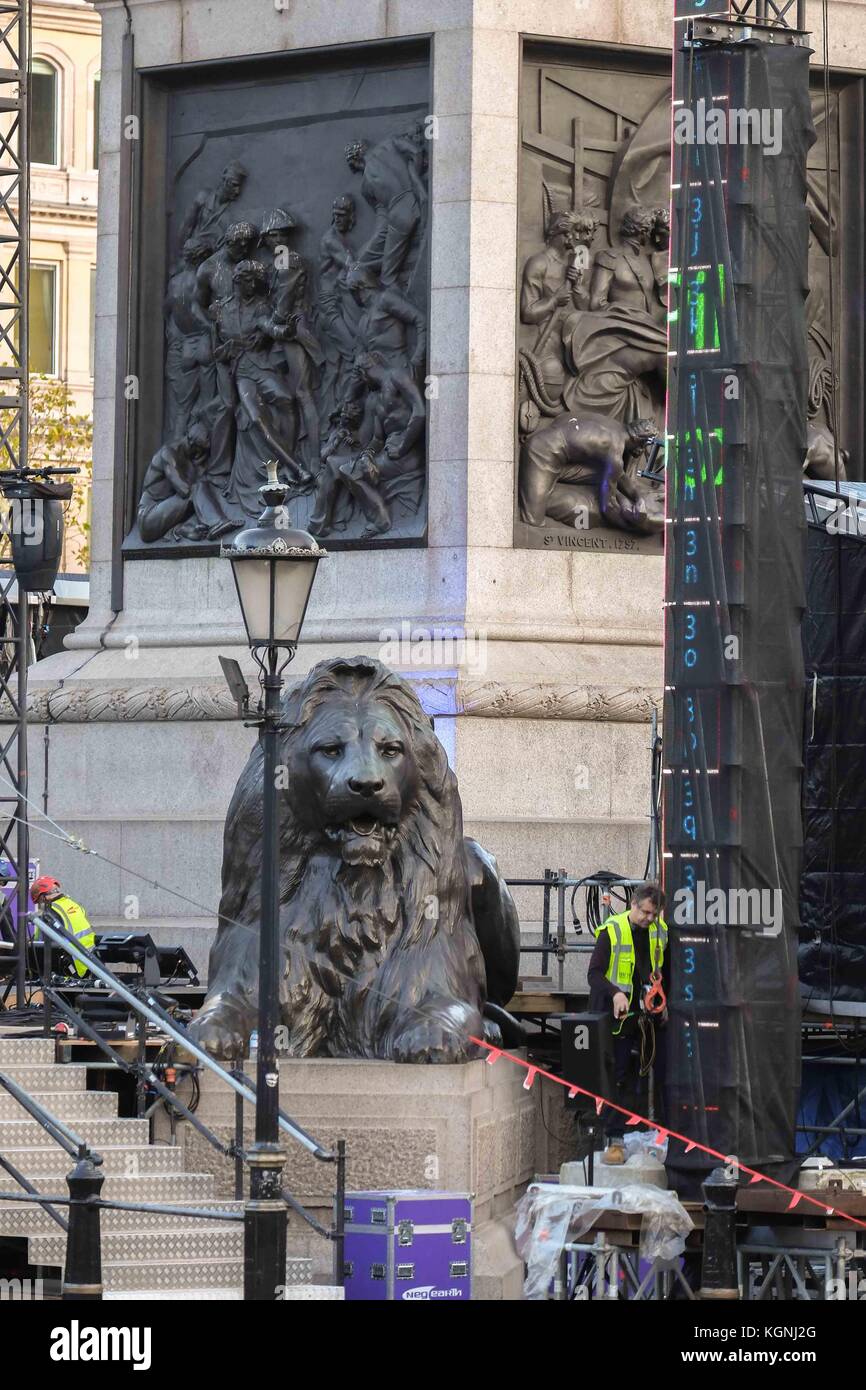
x,y
35,528
274,567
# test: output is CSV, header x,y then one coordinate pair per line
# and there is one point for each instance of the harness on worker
x,y
655,999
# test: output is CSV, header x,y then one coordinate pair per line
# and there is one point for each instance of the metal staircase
x,y
145,1255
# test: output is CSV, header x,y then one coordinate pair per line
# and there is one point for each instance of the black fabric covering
x,y
733,715
833,885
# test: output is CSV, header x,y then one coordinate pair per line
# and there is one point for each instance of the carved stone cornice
x,y
201,702
130,704
548,700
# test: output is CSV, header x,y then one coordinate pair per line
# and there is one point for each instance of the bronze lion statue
x,y
398,933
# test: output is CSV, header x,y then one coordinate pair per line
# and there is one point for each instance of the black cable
x,y
608,881
557,1137
655,796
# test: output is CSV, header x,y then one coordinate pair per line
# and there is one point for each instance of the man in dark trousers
x,y
629,954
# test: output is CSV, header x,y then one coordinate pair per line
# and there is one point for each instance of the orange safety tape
x,y
494,1053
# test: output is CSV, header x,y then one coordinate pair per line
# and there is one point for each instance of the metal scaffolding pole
x,y
14,396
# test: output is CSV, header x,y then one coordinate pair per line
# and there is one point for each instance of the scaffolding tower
x,y
15,20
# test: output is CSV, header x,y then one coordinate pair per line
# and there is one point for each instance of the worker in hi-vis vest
x,y
69,916
627,976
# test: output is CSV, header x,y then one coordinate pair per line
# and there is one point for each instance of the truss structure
x,y
778,14
765,14
14,355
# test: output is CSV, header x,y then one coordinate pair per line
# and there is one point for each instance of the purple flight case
x,y
410,1246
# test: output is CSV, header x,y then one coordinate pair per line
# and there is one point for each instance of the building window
x,y
96,87
92,319
43,319
44,104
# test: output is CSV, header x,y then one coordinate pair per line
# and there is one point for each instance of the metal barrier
x,y
554,943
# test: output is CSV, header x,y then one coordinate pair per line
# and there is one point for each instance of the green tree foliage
x,y
60,437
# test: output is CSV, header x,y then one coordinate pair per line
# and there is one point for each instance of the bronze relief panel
x,y
593,289
283,300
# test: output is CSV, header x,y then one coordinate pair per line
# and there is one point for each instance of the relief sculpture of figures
x,y
304,359
595,292
555,281
296,337
337,310
250,340
392,184
617,352
593,379
189,370
577,470
210,214
214,286
178,496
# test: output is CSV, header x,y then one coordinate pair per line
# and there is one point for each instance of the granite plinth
x,y
468,1128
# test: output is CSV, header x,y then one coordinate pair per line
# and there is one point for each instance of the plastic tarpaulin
x,y
550,1215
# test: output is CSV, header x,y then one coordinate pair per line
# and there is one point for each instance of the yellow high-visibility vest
x,y
620,967
73,919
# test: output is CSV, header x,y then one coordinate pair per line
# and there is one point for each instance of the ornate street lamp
x,y
274,567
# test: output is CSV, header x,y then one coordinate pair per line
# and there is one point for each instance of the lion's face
x,y
353,775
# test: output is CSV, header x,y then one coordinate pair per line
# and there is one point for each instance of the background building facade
x,y
64,151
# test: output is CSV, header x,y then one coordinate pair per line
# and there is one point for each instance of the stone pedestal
x,y
467,1128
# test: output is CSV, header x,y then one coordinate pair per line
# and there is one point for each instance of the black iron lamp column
x,y
274,567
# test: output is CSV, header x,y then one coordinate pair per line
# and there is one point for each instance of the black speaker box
x,y
587,1054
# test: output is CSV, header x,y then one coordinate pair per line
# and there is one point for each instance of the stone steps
x,y
25,1219
167,1245
98,1132
233,1294
145,1255
69,1106
166,1277
35,1078
125,1160
27,1051
177,1189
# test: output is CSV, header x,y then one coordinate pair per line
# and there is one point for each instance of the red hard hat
x,y
41,886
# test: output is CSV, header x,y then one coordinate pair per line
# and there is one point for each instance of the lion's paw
x,y
433,1040
222,1032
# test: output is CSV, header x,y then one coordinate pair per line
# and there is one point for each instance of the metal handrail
x,y
154,1013
111,1204
132,1068
60,1132
241,1084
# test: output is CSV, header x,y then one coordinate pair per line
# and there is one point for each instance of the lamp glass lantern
x,y
274,566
